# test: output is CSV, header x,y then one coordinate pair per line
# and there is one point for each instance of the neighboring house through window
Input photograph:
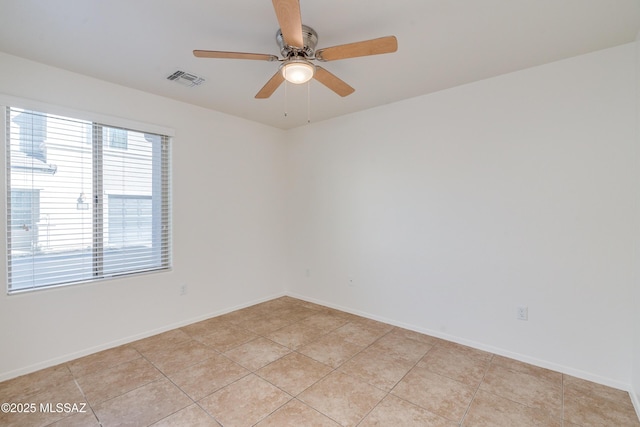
x,y
24,218
103,208
32,133
117,138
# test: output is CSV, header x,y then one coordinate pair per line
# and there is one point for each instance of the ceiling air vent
x,y
186,79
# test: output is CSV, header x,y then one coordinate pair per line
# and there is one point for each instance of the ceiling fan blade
x,y
332,82
233,55
364,48
274,82
288,14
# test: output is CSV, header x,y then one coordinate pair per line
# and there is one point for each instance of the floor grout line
x,y
373,335
484,375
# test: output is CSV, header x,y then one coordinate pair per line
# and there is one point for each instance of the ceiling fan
x,y
297,46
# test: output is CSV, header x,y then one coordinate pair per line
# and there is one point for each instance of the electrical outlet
x,y
522,312
183,290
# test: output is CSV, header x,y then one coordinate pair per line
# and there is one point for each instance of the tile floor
x,y
287,362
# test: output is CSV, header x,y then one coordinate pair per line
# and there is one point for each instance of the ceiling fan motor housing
x,y
296,66
310,39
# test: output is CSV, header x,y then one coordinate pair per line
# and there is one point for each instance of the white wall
x,y
447,210
635,380
450,210
228,227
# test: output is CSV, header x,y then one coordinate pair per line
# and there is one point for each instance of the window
x,y
117,138
32,128
99,209
25,211
130,219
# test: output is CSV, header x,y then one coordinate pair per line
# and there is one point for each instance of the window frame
x,y
104,120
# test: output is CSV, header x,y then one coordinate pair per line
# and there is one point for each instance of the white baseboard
x,y
481,346
635,399
85,352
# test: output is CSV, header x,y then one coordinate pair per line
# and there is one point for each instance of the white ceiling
x,y
441,44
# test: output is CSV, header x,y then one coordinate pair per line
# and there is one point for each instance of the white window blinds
x,y
85,201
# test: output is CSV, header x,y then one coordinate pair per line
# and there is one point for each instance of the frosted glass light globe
x,y
298,71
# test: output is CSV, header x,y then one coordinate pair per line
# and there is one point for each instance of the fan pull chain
x,y
309,102
285,96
